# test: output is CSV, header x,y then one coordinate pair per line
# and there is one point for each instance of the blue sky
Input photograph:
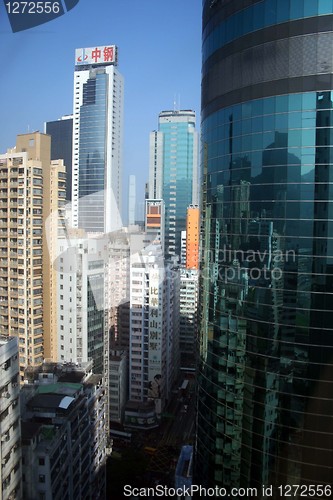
x,y
159,45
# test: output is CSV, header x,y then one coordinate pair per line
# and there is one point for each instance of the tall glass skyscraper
x,y
265,400
97,140
173,171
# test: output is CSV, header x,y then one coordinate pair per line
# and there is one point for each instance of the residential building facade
x,y
188,317
10,428
31,188
82,299
64,443
154,331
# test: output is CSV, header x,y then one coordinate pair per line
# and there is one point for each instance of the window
x,y
41,461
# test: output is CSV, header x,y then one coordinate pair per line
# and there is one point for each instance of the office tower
x,y
192,237
173,172
266,345
97,140
61,132
64,445
10,443
131,200
25,199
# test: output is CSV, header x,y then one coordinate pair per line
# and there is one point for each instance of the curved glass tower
x,y
265,401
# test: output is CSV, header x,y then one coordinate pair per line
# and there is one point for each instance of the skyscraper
x,y
154,328
173,171
266,345
61,132
97,140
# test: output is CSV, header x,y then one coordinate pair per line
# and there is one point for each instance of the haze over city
x,y
159,56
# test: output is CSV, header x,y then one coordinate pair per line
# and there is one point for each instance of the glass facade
x,y
266,346
178,165
173,172
262,14
92,152
61,132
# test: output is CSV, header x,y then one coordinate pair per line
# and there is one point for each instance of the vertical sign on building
x,y
155,338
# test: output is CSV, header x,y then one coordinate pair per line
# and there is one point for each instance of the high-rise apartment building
x,y
82,300
188,317
61,132
266,345
64,443
97,140
54,200
10,428
154,329
173,171
31,187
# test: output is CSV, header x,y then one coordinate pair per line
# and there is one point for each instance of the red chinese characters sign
x,y
106,54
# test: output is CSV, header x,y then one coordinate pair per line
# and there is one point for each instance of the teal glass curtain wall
x,y
265,372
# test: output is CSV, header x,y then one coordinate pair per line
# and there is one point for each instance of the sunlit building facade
x,y
97,140
173,172
192,237
31,187
266,344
